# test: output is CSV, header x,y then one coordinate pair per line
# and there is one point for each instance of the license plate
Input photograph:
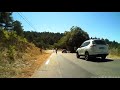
x,y
101,47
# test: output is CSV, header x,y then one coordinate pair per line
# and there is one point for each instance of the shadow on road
x,y
98,60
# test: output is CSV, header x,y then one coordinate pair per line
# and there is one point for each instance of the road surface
x,y
66,65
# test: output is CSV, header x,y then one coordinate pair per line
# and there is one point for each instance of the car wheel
x,y
87,56
103,57
93,58
77,55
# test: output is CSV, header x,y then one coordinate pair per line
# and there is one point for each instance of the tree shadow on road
x,y
98,60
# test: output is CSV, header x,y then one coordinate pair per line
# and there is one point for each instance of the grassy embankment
x,y
114,53
18,58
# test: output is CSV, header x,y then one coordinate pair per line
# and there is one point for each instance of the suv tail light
x,y
93,45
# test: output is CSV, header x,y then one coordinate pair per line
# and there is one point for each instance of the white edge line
x,y
47,61
50,56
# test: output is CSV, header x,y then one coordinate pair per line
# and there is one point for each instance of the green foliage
x,y
73,38
115,51
18,28
1,54
6,19
11,53
13,43
42,39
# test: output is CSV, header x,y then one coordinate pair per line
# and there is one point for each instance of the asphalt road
x,y
66,65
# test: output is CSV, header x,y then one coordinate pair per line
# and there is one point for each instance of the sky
x,y
96,24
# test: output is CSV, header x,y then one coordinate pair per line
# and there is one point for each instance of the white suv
x,y
93,48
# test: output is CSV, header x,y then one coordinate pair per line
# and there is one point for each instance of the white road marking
x,y
50,56
47,61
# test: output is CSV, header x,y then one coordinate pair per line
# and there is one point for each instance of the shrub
x,y
115,51
11,53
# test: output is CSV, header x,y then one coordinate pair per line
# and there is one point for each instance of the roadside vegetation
x,y
22,52
114,48
18,56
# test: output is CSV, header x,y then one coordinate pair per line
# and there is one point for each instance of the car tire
x,y
87,56
103,57
77,55
93,58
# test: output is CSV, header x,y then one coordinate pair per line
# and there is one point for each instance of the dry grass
x,y
18,58
114,53
33,65
24,64
113,56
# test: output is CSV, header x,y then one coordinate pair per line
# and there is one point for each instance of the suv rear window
x,y
100,42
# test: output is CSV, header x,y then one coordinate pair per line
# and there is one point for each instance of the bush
x,y
11,53
115,51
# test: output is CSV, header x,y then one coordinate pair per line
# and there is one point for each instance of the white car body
x,y
93,47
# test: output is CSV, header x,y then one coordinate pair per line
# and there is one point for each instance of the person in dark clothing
x,y
56,50
41,50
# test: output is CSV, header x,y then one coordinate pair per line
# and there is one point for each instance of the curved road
x,y
66,65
